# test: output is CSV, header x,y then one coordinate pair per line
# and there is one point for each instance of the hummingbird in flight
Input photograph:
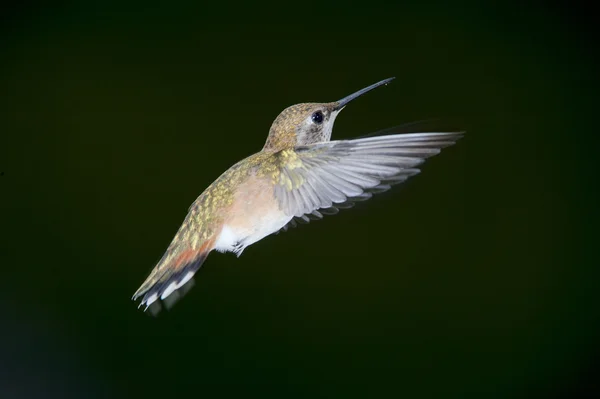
x,y
299,175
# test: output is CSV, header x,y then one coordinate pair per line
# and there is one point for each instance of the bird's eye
x,y
317,117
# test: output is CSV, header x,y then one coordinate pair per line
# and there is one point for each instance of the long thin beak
x,y
342,103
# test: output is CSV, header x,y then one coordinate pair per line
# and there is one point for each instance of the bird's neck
x,y
280,139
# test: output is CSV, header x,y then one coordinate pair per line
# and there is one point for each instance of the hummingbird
x,y
299,175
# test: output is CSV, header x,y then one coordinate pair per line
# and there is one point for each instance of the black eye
x,y
317,117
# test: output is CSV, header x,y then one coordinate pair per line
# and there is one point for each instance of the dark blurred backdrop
x,y
473,280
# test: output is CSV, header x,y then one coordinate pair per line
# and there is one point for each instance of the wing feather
x,y
335,174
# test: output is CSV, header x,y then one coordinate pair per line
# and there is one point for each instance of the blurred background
x,y
474,279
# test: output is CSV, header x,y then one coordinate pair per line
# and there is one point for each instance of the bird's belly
x,y
234,238
253,215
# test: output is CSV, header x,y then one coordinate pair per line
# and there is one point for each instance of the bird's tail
x,y
173,271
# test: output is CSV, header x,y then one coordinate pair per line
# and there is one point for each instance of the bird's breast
x,y
253,214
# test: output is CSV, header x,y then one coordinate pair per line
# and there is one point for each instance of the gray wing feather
x,y
336,174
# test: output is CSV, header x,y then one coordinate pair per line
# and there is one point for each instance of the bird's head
x,y
308,123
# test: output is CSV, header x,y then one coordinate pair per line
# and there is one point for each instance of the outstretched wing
x,y
335,174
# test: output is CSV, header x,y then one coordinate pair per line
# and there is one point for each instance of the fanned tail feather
x,y
175,269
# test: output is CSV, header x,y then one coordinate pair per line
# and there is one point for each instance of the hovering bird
x,y
298,175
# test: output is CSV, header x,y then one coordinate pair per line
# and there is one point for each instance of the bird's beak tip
x,y
339,105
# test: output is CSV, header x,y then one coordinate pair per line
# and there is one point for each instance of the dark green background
x,y
473,280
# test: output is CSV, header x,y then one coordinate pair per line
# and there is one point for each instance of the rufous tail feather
x,y
174,270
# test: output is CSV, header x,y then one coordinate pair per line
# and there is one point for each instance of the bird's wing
x,y
324,177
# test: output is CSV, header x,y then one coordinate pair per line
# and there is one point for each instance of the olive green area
x,y
474,279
